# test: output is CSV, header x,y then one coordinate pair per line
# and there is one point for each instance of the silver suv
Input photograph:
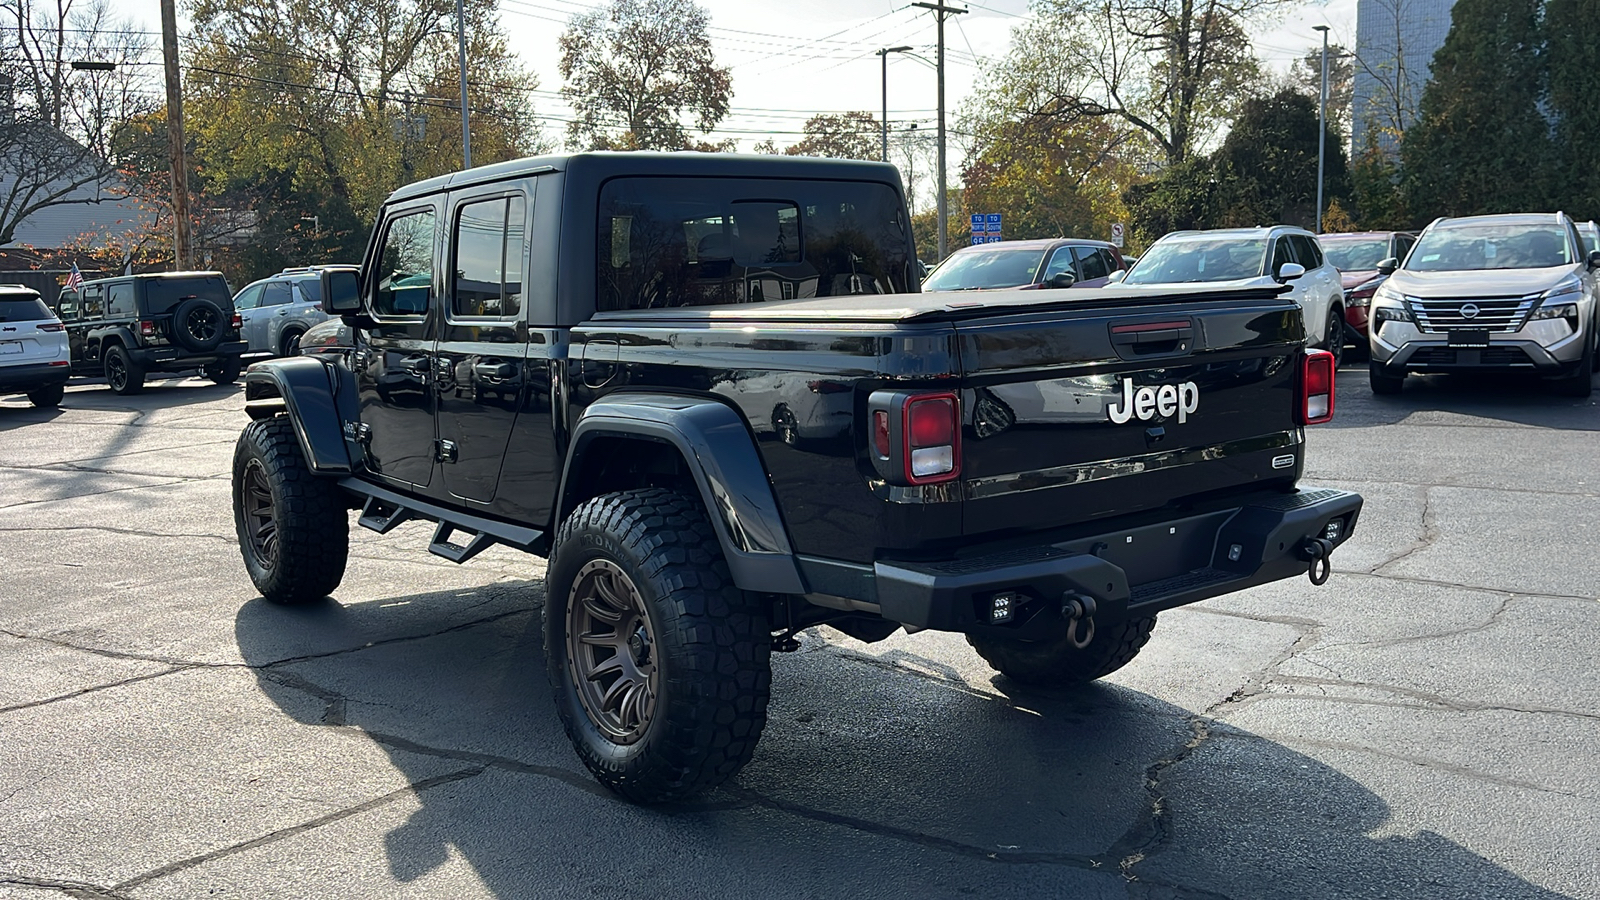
x,y
1490,292
276,311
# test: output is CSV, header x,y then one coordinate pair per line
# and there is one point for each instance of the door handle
x,y
498,371
416,366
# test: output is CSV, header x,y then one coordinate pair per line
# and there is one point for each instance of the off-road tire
x,y
289,342
198,313
710,646
224,371
308,516
1057,662
47,396
1383,383
123,375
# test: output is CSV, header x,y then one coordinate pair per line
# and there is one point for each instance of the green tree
x,y
1173,69
1183,197
1574,66
1305,76
1267,165
635,70
1481,143
851,135
1052,177
307,114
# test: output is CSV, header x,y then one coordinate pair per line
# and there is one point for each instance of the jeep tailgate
x,y
1080,410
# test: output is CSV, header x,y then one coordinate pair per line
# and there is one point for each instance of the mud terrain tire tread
x,y
1057,662
713,645
312,517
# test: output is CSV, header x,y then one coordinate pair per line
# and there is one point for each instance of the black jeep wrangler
x,y
704,386
130,325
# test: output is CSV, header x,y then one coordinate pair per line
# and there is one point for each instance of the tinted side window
x,y
1061,261
67,306
276,293
405,266
1281,253
1091,263
310,289
488,258
119,299
1306,248
93,302
667,242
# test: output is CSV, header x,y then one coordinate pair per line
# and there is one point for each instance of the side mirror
x,y
341,291
1387,267
1290,271
1594,259
1117,276
1059,280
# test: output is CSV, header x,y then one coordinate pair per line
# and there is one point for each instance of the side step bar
x,y
385,509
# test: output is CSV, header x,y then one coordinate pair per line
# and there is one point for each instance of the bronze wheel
x,y
261,524
611,651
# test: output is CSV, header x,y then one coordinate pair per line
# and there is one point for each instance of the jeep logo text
x,y
1148,402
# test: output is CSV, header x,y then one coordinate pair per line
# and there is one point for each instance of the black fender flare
x,y
319,399
721,454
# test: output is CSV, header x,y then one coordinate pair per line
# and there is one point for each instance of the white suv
x,y
34,359
1251,257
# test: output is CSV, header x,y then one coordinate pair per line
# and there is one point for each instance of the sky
x,y
791,60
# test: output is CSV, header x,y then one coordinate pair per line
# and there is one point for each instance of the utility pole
x,y
180,167
940,10
1322,117
884,55
466,130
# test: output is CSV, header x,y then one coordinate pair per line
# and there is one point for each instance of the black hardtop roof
x,y
152,276
603,164
938,306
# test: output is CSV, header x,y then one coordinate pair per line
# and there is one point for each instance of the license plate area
x,y
10,346
1471,340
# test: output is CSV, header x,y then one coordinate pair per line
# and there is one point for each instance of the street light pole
x,y
940,10
466,130
884,55
1322,122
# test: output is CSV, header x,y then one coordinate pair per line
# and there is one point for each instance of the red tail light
x,y
237,321
52,326
880,433
932,433
147,328
1316,388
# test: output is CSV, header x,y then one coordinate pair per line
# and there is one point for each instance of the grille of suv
x,y
1502,315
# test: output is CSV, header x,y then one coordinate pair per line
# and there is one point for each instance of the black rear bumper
x,y
32,377
174,358
1134,571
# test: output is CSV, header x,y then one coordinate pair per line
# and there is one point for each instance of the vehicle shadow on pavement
x,y
877,777
1509,397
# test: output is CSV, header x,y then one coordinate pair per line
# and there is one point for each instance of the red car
x,y
1026,264
1356,255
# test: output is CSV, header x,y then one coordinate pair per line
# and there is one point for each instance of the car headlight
x,y
1572,287
1361,294
1381,314
1557,311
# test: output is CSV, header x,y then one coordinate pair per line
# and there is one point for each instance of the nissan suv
x,y
33,347
1503,292
126,327
276,312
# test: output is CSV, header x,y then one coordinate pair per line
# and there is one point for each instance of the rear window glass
x,y
24,310
163,294
312,289
669,242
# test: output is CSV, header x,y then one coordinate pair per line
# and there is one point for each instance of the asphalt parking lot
x,y
1424,726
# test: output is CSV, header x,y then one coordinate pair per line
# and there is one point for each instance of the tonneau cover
x,y
937,307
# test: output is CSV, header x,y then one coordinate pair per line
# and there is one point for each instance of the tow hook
x,y
1318,551
1076,608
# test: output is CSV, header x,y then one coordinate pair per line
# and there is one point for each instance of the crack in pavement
x,y
135,487
1437,765
1430,534
93,689
77,889
1333,480
1423,700
410,790
131,532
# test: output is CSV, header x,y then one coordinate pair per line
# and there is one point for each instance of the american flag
x,y
75,280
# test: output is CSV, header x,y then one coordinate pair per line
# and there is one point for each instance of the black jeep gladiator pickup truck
x,y
705,387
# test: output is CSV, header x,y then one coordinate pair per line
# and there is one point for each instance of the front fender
x,y
720,453
319,399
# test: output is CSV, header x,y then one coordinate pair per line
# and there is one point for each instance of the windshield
x,y
1351,255
986,269
1199,259
1471,247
